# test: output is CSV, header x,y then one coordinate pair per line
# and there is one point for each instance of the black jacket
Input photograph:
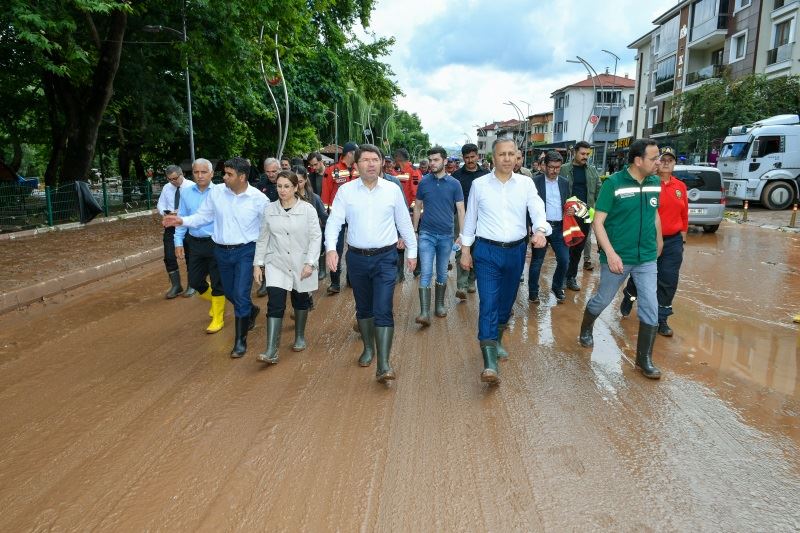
x,y
541,188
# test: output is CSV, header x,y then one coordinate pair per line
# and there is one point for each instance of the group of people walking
x,y
236,234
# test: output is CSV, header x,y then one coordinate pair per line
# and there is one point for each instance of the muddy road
x,y
119,413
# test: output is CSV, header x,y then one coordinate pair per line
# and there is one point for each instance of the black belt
x,y
231,246
370,251
501,244
554,222
190,236
671,236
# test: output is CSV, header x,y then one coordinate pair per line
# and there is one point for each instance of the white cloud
x,y
451,94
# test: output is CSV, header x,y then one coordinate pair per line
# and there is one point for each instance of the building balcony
x,y
780,54
607,110
710,33
603,136
658,127
537,137
783,3
706,73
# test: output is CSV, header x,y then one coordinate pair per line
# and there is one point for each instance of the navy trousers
x,y
669,269
201,262
336,276
560,248
170,259
373,278
497,270
236,271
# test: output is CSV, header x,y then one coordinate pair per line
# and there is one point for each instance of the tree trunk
x,y
81,140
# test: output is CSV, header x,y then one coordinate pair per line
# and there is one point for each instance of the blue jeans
x,y
433,247
373,278
497,270
560,248
236,272
644,276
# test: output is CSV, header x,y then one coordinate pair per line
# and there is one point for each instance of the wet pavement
x,y
119,413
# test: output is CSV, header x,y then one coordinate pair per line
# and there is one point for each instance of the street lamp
x,y
156,29
613,87
593,75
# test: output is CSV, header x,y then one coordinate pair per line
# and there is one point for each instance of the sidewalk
x,y
763,218
39,264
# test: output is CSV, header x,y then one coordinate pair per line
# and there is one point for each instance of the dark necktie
x,y
177,198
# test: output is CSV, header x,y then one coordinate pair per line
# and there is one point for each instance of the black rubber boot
x,y
572,284
270,355
240,337
175,281
300,318
262,290
367,328
254,310
424,317
490,373
644,351
664,329
383,342
587,326
189,292
501,351
321,268
626,305
440,289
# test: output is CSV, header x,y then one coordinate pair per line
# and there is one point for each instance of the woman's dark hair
x,y
308,192
292,177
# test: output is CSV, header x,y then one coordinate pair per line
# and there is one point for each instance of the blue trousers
x,y
433,250
560,248
643,275
669,268
373,278
497,271
236,271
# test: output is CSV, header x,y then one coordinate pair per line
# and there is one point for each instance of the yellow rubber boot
x,y
797,319
207,296
217,314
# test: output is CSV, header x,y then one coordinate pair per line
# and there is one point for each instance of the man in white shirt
x,y
236,210
375,211
496,223
168,203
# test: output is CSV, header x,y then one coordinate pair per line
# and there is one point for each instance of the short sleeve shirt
x,y
631,210
439,197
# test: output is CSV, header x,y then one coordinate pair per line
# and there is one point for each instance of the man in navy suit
x,y
554,191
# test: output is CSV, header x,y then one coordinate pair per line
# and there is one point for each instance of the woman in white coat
x,y
288,249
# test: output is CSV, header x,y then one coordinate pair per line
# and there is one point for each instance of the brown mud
x,y
119,413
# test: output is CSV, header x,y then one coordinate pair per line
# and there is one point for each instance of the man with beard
x,y
469,172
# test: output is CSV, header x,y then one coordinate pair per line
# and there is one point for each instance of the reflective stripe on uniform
x,y
634,190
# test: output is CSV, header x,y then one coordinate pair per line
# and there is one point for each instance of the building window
x,y
566,123
656,44
630,126
665,76
738,46
670,31
652,117
566,101
653,81
630,100
741,4
782,33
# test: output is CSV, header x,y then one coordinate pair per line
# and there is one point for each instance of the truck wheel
x,y
777,195
710,229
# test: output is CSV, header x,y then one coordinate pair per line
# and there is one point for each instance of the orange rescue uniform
x,y
673,207
335,176
409,178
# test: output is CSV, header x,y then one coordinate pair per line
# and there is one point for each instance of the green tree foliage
x,y
98,83
705,114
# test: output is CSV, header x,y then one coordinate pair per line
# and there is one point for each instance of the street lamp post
x,y
613,87
186,75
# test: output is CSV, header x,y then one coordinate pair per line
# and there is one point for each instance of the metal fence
x,y
22,207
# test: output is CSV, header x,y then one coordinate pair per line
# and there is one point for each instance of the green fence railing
x,y
23,207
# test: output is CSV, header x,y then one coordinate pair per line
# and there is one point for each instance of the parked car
x,y
706,195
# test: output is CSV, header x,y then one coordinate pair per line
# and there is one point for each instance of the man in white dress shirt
x,y
236,210
496,223
375,212
168,203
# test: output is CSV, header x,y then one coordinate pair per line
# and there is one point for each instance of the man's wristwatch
x,y
542,230
312,265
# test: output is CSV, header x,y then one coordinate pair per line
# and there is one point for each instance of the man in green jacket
x,y
584,182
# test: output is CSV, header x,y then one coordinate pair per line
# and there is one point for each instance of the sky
x,y
458,61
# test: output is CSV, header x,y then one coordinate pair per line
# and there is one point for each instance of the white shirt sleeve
x,y
335,221
403,222
471,216
163,204
536,210
204,214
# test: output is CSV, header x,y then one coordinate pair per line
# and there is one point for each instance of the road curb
x,y
26,295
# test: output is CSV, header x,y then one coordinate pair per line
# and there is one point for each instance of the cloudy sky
x,y
457,61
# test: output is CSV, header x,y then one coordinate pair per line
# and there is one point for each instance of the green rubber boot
x,y
424,317
367,328
383,340
300,318
441,290
501,351
490,371
273,340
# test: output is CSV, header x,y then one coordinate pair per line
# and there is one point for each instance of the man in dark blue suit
x,y
554,191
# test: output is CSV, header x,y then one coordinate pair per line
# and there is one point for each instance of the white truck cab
x,y
761,161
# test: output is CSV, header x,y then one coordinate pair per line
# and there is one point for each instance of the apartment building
x,y
540,126
778,51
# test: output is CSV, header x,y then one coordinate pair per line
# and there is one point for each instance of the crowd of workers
x,y
286,232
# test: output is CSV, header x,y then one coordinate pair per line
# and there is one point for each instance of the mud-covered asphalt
x,y
119,413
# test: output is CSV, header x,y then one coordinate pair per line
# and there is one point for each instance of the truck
x,y
761,162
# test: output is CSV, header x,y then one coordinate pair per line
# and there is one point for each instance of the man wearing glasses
x,y
628,231
168,203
